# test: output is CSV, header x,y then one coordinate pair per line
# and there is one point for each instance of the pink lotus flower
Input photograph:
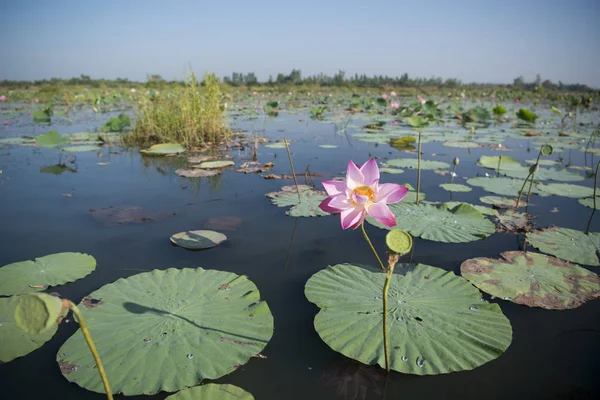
x,y
361,194
393,94
421,100
36,100
290,93
384,96
3,98
516,100
5,122
395,105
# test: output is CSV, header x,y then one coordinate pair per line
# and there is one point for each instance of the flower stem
x,y
419,169
595,188
386,340
452,173
362,226
292,166
522,188
529,192
88,338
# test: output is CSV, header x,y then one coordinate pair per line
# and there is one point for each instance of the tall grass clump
x,y
192,115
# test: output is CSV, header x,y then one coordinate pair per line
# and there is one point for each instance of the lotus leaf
x,y
455,187
51,139
51,270
482,209
501,202
80,149
533,279
212,391
514,222
589,202
197,172
328,146
438,322
567,244
216,164
391,170
502,186
462,223
167,330
506,164
413,163
276,145
15,341
308,207
463,145
163,149
564,189
548,174
196,240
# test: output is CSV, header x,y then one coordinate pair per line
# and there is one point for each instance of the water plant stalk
x,y
499,161
418,169
88,339
287,147
362,227
386,287
587,230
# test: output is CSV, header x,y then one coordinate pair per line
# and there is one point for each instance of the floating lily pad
x,y
51,270
506,164
328,146
589,202
164,149
564,189
80,149
308,207
15,342
216,164
462,145
197,172
462,223
196,240
212,391
512,221
413,163
199,159
16,140
276,145
502,186
391,170
482,209
167,330
549,163
501,202
437,321
568,244
455,187
51,139
549,174
533,279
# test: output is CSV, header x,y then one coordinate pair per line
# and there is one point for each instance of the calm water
x,y
554,354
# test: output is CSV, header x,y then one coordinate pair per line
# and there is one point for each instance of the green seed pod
x,y
546,150
399,241
37,312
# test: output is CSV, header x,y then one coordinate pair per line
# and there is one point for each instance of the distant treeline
x,y
339,79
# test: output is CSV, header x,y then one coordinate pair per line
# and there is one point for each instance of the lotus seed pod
x,y
37,312
399,241
456,160
546,150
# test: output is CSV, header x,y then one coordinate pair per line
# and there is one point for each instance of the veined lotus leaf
x,y
196,240
455,187
512,221
391,170
216,164
276,145
564,189
167,330
163,149
328,146
462,145
81,149
502,186
51,139
463,223
506,164
482,209
589,202
549,174
308,207
15,341
533,279
413,163
212,391
567,244
501,202
51,270
437,321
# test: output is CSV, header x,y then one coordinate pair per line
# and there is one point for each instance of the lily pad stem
x,y
418,169
386,340
522,188
292,166
88,339
595,189
362,226
499,161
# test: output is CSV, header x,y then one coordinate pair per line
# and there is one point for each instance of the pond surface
x,y
553,355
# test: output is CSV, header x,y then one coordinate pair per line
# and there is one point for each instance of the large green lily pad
x,y
413,163
81,149
167,330
196,240
589,202
506,164
437,321
51,270
501,202
163,149
567,244
501,186
455,187
51,139
308,207
548,174
458,224
15,341
216,164
532,279
564,189
212,391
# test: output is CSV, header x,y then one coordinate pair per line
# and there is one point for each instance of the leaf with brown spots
x,y
533,279
567,244
513,221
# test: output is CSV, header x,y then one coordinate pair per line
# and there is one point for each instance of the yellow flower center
x,y
365,191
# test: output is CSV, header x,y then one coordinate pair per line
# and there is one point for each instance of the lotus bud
x,y
534,169
456,161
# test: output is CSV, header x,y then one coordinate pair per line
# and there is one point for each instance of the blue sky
x,y
482,41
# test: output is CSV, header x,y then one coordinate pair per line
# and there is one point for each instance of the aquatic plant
x,y
545,150
117,124
192,116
